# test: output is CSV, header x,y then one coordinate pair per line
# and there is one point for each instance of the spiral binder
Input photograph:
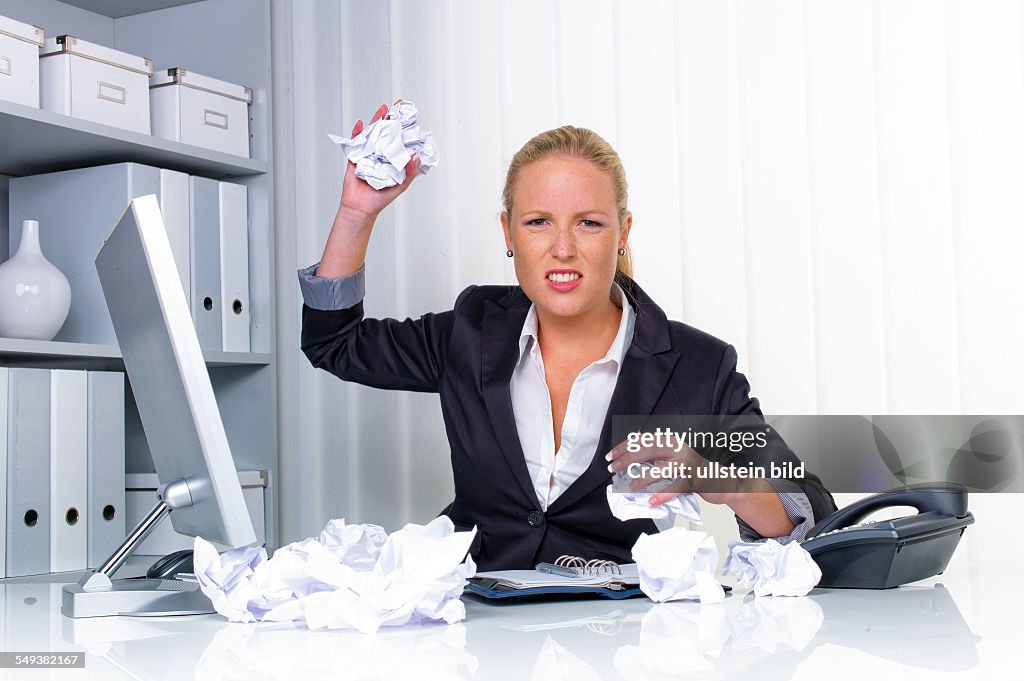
x,y
566,576
574,565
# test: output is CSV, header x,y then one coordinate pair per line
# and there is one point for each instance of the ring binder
x,y
566,576
574,565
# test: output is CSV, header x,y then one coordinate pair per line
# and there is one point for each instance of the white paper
x,y
350,576
631,505
678,564
771,568
383,148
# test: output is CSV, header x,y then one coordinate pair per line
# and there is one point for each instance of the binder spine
x,y
4,387
175,207
28,473
68,465
234,267
204,241
105,468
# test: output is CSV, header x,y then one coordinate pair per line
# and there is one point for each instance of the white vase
x,y
34,295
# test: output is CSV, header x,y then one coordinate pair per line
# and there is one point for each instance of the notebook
x,y
567,576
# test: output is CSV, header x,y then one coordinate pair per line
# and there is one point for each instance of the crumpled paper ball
x,y
350,576
771,568
678,564
632,505
383,148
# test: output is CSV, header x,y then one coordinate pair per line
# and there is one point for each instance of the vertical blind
x,y
835,187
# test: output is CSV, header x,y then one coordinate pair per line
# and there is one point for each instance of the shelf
x,y
228,39
36,141
116,9
16,351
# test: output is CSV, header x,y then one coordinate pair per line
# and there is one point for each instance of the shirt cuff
x,y
324,293
798,508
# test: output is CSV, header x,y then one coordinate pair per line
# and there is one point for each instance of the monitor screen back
x,y
168,376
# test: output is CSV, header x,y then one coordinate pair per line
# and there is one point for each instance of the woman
x,y
529,376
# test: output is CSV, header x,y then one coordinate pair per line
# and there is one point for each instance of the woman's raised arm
x,y
360,205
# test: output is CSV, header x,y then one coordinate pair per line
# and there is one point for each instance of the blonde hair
x,y
581,143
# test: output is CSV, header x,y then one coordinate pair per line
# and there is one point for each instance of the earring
x,y
622,251
508,253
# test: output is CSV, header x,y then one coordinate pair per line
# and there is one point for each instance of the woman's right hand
x,y
345,250
360,199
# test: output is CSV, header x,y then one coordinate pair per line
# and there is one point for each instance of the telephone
x,y
886,553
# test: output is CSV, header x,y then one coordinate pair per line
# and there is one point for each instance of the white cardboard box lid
x,y
150,481
179,76
21,31
67,44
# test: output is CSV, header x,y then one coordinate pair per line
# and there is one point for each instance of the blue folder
x,y
493,589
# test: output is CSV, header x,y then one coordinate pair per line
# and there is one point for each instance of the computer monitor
x,y
199,486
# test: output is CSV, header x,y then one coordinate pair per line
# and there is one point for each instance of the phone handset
x,y
944,498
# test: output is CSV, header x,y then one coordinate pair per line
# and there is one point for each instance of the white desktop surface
x,y
936,629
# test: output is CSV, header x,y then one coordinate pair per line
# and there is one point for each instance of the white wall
x,y
832,186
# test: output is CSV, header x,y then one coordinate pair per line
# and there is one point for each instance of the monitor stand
x,y
96,595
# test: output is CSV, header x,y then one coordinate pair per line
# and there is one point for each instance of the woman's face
x,y
565,235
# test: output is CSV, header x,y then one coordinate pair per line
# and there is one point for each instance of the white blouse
x,y
552,472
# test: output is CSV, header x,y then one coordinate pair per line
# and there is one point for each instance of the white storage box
x,y
140,497
19,62
200,110
95,83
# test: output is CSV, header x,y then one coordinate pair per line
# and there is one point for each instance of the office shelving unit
x,y
226,39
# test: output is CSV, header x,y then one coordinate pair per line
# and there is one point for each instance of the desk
x,y
964,628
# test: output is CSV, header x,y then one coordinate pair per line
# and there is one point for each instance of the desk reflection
x,y
748,637
635,639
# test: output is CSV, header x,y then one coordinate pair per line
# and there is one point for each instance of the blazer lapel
x,y
503,322
645,371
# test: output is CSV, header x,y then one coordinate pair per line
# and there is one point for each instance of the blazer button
x,y
535,518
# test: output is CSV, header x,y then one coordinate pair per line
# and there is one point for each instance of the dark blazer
x,y
468,354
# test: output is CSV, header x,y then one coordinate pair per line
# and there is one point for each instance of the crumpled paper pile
x,y
350,576
771,568
383,148
678,564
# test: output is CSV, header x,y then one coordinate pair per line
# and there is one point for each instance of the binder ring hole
x,y
108,512
237,306
71,516
208,303
31,517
